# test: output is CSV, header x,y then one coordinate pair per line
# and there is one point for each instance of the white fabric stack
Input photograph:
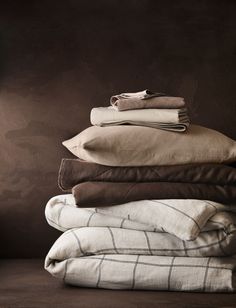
x,y
144,245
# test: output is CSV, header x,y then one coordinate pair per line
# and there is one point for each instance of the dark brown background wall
x,y
58,59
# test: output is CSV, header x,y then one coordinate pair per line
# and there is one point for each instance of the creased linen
x,y
131,145
183,218
76,171
145,100
144,94
113,271
103,250
168,119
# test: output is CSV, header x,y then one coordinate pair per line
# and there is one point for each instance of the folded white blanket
x,y
135,269
184,218
168,119
105,249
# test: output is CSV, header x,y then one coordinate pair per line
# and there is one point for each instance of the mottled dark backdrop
x,y
58,59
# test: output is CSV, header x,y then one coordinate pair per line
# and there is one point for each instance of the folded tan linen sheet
x,y
103,250
145,100
76,171
129,145
168,119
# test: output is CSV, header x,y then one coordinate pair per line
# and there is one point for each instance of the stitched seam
x,y
61,174
129,189
99,174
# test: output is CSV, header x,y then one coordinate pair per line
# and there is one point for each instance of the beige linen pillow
x,y
143,146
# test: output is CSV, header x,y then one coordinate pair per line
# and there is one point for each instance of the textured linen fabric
x,y
130,145
144,94
145,100
113,271
214,237
117,257
76,171
168,119
184,219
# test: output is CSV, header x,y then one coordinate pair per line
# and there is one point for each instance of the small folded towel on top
x,y
145,100
168,119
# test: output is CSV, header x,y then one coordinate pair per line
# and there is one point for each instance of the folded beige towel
x,y
145,100
168,119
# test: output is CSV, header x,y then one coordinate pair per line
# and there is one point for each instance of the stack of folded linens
x,y
144,108
146,208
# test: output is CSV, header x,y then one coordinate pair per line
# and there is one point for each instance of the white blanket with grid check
x,y
178,245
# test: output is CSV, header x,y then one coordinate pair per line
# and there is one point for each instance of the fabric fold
x,y
76,171
113,271
168,119
117,257
128,145
90,194
145,100
184,219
